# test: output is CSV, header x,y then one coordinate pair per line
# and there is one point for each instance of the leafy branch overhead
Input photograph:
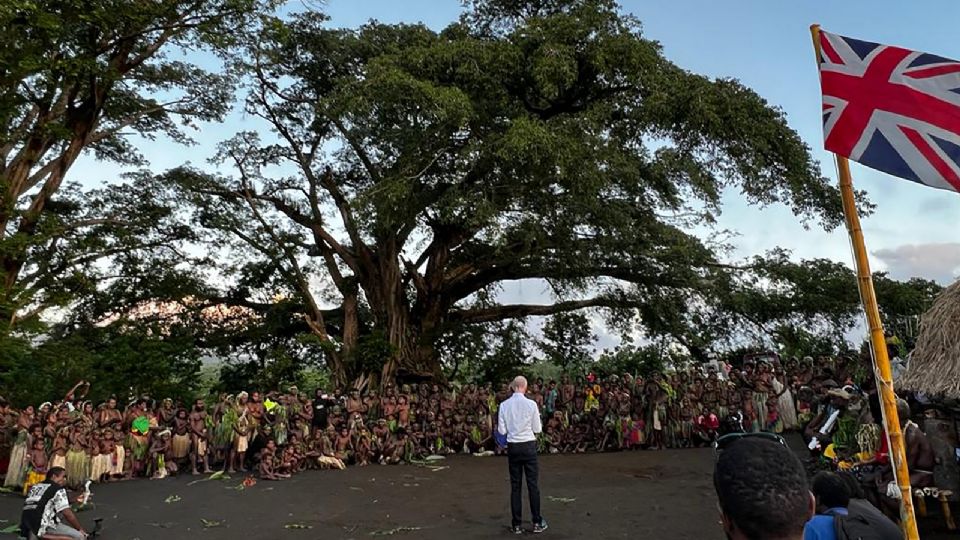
x,y
87,76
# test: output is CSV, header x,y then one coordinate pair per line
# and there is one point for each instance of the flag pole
x,y
882,370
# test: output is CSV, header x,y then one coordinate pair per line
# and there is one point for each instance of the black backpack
x,y
865,527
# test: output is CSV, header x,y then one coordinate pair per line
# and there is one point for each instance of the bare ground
x,y
666,495
646,494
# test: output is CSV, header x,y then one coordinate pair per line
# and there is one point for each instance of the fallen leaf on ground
x,y
219,475
564,500
397,530
164,525
297,526
12,529
207,524
172,499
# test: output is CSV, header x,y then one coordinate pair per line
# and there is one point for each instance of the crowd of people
x,y
279,433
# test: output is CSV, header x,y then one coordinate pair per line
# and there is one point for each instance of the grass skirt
x,y
117,459
17,470
181,446
99,466
78,468
58,461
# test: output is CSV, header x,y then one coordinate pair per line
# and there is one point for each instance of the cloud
x,y
939,205
937,261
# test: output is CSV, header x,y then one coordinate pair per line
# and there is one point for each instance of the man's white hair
x,y
518,382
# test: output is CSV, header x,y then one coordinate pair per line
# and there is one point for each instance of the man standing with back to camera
x,y
519,419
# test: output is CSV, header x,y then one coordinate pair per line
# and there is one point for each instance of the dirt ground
x,y
665,495
637,494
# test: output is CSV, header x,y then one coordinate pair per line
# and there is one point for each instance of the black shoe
x,y
540,527
516,529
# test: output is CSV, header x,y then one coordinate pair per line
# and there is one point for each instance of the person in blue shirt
x,y
832,497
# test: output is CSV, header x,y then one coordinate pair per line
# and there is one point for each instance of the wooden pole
x,y
882,370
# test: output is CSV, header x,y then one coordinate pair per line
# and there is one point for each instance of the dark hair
x,y
853,485
762,488
830,490
55,472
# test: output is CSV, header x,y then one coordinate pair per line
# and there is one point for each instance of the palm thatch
x,y
935,363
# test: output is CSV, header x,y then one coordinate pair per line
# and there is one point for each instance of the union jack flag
x,y
892,109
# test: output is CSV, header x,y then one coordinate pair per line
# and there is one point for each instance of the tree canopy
x,y
411,172
404,178
96,76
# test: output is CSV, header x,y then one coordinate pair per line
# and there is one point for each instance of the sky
x,y
767,46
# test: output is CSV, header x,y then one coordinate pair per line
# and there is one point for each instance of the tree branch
x,y
516,311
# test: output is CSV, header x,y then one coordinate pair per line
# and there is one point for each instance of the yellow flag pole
x,y
882,371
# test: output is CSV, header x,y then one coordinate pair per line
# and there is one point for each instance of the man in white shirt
x,y
519,419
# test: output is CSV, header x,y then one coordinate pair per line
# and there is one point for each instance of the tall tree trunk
x,y
351,323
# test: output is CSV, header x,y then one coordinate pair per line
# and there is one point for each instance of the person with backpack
x,y
762,490
839,519
870,522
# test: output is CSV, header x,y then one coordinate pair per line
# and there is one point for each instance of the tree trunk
x,y
351,323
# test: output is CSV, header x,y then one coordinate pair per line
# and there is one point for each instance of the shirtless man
x,y
198,437
109,416
403,411
920,460
567,392
134,411
255,413
355,404
388,403
166,413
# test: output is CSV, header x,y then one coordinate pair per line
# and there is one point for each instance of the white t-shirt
x,y
51,513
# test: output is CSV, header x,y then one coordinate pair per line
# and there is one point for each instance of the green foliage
x,y
125,360
798,342
94,76
567,341
492,354
637,360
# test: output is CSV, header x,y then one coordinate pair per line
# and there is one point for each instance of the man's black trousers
x,y
522,458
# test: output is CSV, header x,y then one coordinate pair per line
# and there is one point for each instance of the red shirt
x,y
709,421
883,453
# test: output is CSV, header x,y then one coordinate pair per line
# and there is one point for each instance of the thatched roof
x,y
935,363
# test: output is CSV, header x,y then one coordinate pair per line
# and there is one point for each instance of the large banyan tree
x,y
409,173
